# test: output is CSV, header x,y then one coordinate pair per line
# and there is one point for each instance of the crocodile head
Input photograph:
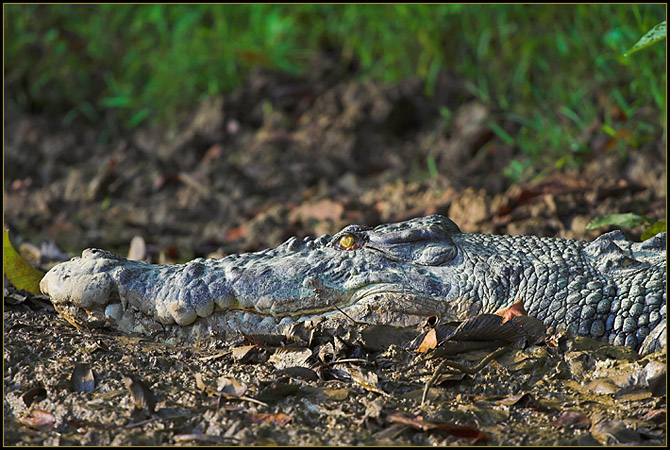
x,y
377,274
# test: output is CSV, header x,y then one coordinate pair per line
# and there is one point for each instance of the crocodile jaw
x,y
92,298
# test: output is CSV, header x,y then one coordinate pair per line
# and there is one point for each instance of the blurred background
x,y
207,129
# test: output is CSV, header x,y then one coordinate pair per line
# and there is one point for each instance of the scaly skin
x,y
611,289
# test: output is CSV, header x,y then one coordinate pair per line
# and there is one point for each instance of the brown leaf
x,y
235,234
140,392
231,386
523,401
429,341
290,357
39,419
365,378
35,394
418,423
82,378
249,354
279,419
512,311
199,382
325,209
276,391
573,419
212,154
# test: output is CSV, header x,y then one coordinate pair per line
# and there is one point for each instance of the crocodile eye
x,y
348,242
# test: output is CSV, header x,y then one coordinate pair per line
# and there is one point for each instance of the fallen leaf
x,y
290,357
429,342
276,391
21,274
207,438
573,419
140,392
39,419
512,311
279,419
300,372
199,382
82,379
235,234
231,386
35,394
325,209
418,423
365,378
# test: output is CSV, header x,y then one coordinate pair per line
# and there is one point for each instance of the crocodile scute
x,y
611,289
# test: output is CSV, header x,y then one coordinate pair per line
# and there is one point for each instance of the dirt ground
x,y
281,157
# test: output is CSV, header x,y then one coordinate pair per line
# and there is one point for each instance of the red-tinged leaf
x,y
512,311
235,234
415,422
429,341
280,419
468,432
172,252
325,209
39,419
212,154
573,419
418,423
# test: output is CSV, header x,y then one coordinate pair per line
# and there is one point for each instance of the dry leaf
x,y
82,379
39,419
325,209
35,394
235,234
418,423
512,311
573,419
279,419
141,393
429,341
231,386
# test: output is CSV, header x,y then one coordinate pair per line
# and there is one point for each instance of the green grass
x,y
549,70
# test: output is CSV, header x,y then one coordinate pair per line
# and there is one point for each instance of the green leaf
x,y
653,229
502,134
619,220
21,274
654,35
432,167
116,102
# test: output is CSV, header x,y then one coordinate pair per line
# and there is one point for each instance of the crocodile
x,y
398,274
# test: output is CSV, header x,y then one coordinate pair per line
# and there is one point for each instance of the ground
x,y
281,157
